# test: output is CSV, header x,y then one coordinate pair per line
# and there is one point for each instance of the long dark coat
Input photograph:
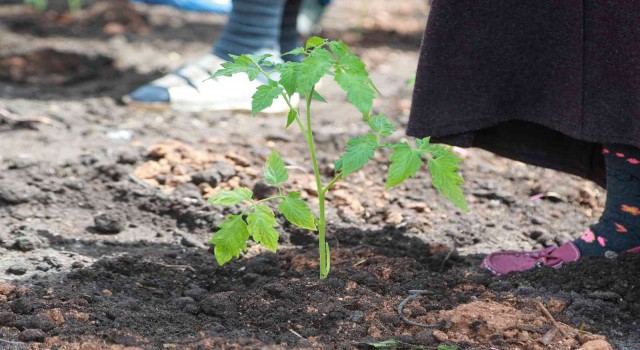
x,y
545,82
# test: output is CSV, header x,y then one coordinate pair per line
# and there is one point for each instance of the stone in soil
x,y
224,169
18,269
110,223
210,176
12,194
32,335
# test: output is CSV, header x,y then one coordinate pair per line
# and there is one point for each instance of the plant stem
x,y
333,182
271,198
324,254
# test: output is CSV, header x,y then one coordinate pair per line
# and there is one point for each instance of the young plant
x,y
284,80
41,5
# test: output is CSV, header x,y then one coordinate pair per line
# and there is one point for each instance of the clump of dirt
x,y
52,67
502,325
174,163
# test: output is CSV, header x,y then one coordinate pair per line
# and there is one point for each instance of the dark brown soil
x,y
103,222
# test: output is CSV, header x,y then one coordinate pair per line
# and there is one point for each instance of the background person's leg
x,y
619,226
618,229
253,26
289,36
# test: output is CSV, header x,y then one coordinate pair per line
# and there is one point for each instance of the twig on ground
x,y
446,258
415,293
12,118
296,333
550,318
138,181
548,337
178,266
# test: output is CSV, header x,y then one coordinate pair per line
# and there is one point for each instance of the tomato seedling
x,y
284,80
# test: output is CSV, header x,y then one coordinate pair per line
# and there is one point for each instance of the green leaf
x,y
314,42
317,97
288,76
424,144
237,196
312,69
264,97
405,162
339,49
359,151
230,239
274,171
261,227
240,64
291,117
296,211
447,347
295,52
381,125
358,88
446,177
352,76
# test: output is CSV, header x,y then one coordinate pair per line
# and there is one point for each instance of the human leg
x,y
254,26
618,230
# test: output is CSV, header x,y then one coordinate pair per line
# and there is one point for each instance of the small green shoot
x,y
284,80
41,5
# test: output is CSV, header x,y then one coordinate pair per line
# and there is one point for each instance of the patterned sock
x,y
619,227
253,27
289,37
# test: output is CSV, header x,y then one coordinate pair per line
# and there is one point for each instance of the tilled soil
x,y
104,223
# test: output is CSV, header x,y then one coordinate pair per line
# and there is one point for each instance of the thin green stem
x,y
324,254
270,199
333,182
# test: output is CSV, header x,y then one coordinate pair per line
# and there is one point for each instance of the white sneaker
x,y
190,88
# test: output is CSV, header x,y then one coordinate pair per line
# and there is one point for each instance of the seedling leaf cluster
x,y
322,58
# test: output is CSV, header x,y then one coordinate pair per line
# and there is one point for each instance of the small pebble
x,y
18,269
357,316
32,335
110,223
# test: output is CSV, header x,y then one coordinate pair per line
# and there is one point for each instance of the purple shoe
x,y
501,263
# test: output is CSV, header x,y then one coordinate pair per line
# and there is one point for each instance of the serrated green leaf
x,y
239,64
337,166
424,144
405,163
339,49
291,117
359,151
358,88
288,76
230,239
312,69
296,211
446,177
447,347
317,97
295,52
261,227
381,124
236,196
274,171
263,97
314,42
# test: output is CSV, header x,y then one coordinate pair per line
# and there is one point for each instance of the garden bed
x,y
104,223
